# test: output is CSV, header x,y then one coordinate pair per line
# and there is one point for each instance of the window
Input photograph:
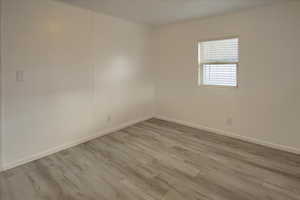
x,y
218,62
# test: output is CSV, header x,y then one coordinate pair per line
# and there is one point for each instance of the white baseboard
x,y
48,152
124,125
232,135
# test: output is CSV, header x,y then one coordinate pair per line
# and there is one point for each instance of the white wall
x,y
266,106
0,90
79,68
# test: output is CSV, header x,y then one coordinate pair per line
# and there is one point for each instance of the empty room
x,y
150,100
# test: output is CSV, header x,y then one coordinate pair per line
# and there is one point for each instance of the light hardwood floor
x,y
159,160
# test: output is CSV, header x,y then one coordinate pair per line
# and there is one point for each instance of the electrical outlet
x,y
108,119
20,76
229,121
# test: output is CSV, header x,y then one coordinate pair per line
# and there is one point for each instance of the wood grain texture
x,y
158,160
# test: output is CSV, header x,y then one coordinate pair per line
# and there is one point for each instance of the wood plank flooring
x,y
158,160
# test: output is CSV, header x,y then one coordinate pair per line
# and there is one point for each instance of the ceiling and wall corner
x,y
159,12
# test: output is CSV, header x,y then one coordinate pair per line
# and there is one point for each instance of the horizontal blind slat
x,y
215,75
219,51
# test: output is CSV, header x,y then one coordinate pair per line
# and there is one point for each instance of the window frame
x,y
200,65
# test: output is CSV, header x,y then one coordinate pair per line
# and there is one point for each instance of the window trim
x,y
200,65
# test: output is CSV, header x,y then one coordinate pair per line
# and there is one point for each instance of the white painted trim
x,y
232,135
71,144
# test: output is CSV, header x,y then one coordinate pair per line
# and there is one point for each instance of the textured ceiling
x,y
157,12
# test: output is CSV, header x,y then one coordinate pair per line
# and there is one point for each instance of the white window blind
x,y
218,62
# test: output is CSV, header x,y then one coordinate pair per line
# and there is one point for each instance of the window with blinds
x,y
218,62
